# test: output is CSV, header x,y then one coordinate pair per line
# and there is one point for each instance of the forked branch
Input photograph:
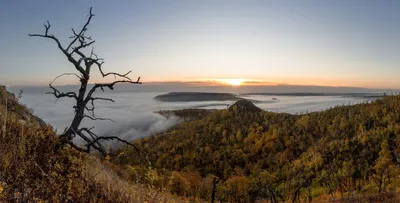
x,y
59,94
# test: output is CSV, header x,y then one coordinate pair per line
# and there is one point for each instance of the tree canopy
x,y
282,157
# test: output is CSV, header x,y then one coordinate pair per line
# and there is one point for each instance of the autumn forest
x,y
244,154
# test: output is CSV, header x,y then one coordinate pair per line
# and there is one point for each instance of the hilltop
x,y
244,106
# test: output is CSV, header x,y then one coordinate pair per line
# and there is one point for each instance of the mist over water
x,y
133,110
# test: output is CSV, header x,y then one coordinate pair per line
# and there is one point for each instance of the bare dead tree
x,y
85,99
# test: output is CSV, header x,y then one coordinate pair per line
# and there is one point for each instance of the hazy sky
x,y
341,42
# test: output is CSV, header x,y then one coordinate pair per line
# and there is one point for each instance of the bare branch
x,y
92,53
96,145
108,138
64,75
111,73
89,131
50,37
91,111
47,27
84,28
69,56
83,45
100,119
83,57
109,86
59,94
101,98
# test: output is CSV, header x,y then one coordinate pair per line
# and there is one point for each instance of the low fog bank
x,y
133,111
140,127
133,128
133,114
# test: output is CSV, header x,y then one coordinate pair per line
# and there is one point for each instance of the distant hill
x,y
242,105
357,95
196,96
245,106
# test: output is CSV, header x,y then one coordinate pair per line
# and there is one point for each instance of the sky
x,y
304,42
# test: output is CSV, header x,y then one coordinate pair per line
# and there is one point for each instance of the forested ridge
x,y
244,154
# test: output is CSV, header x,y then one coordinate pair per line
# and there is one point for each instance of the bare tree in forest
x,y
84,61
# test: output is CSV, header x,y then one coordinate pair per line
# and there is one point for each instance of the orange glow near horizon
x,y
258,82
233,82
272,81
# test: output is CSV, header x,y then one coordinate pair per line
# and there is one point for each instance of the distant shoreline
x,y
196,96
305,94
213,96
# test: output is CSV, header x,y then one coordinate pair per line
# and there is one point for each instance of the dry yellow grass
x,y
117,189
31,170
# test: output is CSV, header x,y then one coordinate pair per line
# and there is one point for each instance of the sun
x,y
233,82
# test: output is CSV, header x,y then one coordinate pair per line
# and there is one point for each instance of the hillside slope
x,y
31,171
349,153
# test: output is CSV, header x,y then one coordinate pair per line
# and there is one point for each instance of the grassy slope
x,y
31,170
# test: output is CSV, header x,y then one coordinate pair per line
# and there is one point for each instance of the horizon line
x,y
215,83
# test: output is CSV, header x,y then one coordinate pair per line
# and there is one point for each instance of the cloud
x,y
132,112
139,127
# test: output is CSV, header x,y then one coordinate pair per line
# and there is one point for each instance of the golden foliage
x,y
284,157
